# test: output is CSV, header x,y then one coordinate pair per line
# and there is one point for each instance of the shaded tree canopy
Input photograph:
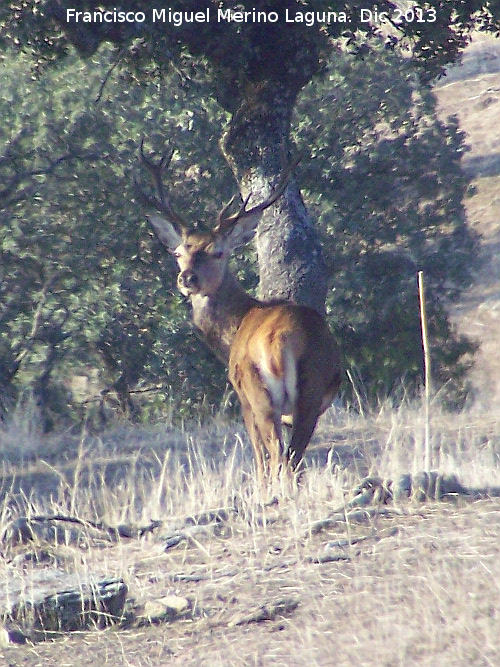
x,y
256,69
243,52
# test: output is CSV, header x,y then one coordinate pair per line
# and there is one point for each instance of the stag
x,y
283,361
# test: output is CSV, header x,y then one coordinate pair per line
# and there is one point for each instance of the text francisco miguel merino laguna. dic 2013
x,y
413,14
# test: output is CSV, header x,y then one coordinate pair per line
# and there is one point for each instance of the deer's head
x,y
203,257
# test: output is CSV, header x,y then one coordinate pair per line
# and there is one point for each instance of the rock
x,y
166,609
430,486
419,487
193,533
372,490
402,488
424,486
10,634
450,485
46,602
328,558
209,516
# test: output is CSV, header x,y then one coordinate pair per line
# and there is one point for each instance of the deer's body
x,y
283,360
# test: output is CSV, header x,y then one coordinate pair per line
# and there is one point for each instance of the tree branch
x,y
11,194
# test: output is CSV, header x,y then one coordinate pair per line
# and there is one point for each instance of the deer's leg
x,y
302,431
261,419
265,431
309,406
255,439
270,433
307,410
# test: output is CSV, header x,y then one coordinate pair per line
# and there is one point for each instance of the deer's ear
x,y
239,228
168,234
242,230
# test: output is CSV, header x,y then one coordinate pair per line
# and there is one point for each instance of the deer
x,y
283,361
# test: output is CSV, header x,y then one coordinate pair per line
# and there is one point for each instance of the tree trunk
x,y
257,147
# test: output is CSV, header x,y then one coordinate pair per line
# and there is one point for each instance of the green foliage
x,y
386,180
85,286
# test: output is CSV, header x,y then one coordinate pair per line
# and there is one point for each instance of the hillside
x,y
472,92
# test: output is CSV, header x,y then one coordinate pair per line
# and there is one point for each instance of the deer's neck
x,y
218,316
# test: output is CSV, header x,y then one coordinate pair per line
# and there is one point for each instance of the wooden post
x,y
427,371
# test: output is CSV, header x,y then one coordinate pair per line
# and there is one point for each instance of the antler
x,y
225,223
157,170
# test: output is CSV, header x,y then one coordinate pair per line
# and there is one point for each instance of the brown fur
x,y
274,347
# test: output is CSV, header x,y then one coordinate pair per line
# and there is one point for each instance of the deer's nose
x,y
187,279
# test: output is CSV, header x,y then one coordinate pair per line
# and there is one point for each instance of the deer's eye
x,y
218,254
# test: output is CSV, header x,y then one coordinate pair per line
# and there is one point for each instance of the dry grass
x,y
422,589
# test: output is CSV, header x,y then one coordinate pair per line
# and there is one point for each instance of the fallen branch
x,y
266,612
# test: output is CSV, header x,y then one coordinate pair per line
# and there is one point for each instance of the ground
x,y
404,582
425,593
